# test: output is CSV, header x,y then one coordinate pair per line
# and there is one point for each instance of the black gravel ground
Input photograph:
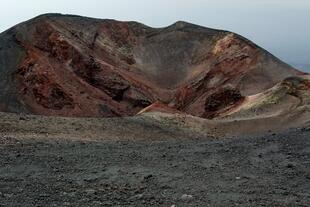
x,y
271,170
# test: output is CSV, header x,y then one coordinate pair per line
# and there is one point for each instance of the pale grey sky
x,y
280,26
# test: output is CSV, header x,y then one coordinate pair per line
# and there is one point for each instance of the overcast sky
x,y
280,26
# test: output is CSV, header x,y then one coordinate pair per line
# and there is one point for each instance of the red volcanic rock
x,y
82,67
222,101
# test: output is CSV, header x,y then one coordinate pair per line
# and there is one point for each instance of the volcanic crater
x,y
66,65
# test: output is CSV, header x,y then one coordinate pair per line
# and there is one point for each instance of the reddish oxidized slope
x,y
77,66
